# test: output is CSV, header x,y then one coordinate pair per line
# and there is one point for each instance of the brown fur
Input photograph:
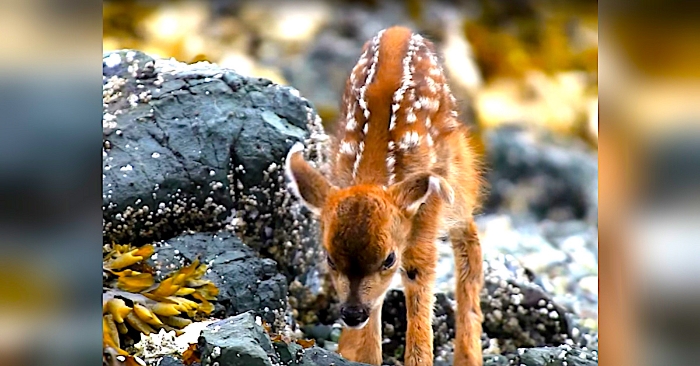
x,y
365,216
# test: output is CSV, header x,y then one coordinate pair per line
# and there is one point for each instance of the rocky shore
x,y
192,157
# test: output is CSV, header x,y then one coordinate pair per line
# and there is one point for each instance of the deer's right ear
x,y
310,186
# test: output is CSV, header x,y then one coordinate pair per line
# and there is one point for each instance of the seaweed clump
x,y
135,301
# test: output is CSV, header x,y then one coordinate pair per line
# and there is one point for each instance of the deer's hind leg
x,y
469,278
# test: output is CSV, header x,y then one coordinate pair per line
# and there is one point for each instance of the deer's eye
x,y
389,261
330,262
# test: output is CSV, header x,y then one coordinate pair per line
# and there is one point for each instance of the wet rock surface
x,y
241,340
245,281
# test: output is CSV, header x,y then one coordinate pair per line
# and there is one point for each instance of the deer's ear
x,y
413,191
310,186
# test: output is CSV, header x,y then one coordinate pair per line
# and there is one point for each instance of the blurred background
x,y
528,62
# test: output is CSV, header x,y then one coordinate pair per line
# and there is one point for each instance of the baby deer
x,y
402,173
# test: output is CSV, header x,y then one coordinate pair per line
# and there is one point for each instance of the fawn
x,y
402,173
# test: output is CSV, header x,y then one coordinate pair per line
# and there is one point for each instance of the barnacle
x,y
134,301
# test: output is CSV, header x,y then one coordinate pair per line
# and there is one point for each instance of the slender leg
x,y
365,344
419,262
419,279
470,278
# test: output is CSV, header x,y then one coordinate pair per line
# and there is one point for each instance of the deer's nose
x,y
354,315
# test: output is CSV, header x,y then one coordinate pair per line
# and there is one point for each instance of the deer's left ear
x,y
306,182
413,191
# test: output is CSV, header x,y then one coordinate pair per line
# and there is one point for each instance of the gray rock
x,y
395,324
529,174
294,354
196,147
518,312
170,361
556,356
495,360
237,340
245,281
559,256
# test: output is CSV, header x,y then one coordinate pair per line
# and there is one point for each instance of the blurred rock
x,y
529,175
291,23
518,312
556,356
558,254
196,147
245,281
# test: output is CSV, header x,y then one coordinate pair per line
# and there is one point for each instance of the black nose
x,y
354,315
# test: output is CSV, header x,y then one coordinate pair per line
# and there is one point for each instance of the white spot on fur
x,y
370,75
410,140
430,104
351,124
431,85
363,105
347,148
356,166
406,80
362,100
410,117
390,161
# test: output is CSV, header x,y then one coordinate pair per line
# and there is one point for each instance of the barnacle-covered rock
x,y
556,356
395,323
519,313
245,281
197,147
136,301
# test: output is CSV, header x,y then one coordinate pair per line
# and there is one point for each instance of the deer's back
x,y
398,117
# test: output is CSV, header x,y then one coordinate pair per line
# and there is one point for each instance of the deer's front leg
x,y
364,344
470,278
419,264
